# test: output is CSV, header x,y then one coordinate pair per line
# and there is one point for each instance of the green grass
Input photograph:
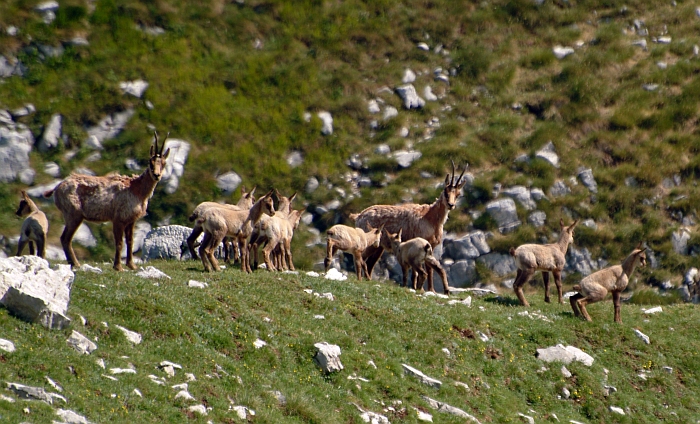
x,y
210,332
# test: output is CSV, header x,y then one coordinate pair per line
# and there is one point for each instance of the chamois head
x,y
377,234
247,200
268,206
25,205
639,254
453,188
567,232
395,239
156,164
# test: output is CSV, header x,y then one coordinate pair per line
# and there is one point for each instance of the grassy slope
x,y
201,329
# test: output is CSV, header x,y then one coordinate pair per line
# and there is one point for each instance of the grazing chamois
x,y
258,238
113,197
222,222
34,227
244,203
354,241
278,233
415,220
613,279
414,254
530,258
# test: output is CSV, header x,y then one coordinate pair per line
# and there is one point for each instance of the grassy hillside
x,y
235,79
489,346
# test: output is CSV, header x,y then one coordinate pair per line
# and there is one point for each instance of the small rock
x,y
421,377
561,52
642,336
617,410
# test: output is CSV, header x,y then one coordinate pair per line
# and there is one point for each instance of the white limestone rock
x,y
405,158
549,154
52,134
7,346
448,409
167,242
409,370
175,164
408,76
327,119
16,141
410,97
81,343
565,354
504,212
132,336
109,127
561,52
328,357
134,88
151,272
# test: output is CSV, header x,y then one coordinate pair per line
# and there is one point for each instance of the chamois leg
x,y
557,281
118,230
523,277
331,249
266,257
359,264
573,300
371,256
582,306
129,236
41,247
214,242
20,245
203,253
434,265
545,279
31,248
67,239
245,261
616,306
192,238
419,277
404,276
287,252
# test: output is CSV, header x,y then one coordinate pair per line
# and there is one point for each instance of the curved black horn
x,y
155,134
462,174
163,145
452,183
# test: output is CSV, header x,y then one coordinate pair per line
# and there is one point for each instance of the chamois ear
x,y
639,245
268,194
561,222
167,152
572,226
399,234
291,198
460,182
252,191
23,194
447,180
153,151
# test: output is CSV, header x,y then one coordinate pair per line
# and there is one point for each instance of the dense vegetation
x,y
236,78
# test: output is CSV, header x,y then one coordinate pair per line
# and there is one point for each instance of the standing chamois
x,y
34,227
113,197
415,254
530,258
613,279
415,220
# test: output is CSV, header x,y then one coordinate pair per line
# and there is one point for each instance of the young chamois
x,y
414,254
34,227
278,233
354,241
222,222
113,197
244,203
415,220
612,279
530,258
258,238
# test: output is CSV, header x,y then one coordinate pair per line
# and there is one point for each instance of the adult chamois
x,y
413,220
113,197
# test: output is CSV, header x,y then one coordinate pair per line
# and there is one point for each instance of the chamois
x,y
415,220
221,222
354,241
284,209
415,253
113,197
34,227
613,279
530,258
278,232
244,203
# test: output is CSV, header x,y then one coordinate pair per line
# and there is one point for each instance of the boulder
x,y
522,195
83,236
167,242
110,126
327,119
460,248
9,68
565,354
559,189
81,343
141,230
561,52
429,381
134,88
295,159
505,214
228,182
373,106
587,179
175,164
68,416
410,97
405,158
32,291
16,141
408,76
679,241
390,112
461,273
33,393
537,219
428,94
328,357
500,264
580,260
549,154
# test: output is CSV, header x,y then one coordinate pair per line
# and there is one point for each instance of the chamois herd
x,y
409,231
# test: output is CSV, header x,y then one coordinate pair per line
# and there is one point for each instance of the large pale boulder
x,y
167,242
16,141
109,126
228,182
504,212
565,354
52,134
410,97
175,165
134,88
328,357
32,291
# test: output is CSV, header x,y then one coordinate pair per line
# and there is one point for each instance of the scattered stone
x,y
565,372
390,112
132,336
423,416
372,417
406,158
429,95
108,128
185,395
617,410
295,159
151,272
199,409
561,52
559,189
34,393
522,195
197,284
679,241
327,357
334,274
642,336
134,88
565,393
537,219
443,407
423,46
528,419
565,354
70,417
410,97
587,179
373,107
408,76
421,377
549,154
668,370
52,134
327,119
7,345
259,343
504,212
653,310
650,87
243,412
466,302
53,384
175,165
118,371
101,363
81,343
137,392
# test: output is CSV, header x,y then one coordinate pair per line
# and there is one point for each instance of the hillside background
x,y
243,82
